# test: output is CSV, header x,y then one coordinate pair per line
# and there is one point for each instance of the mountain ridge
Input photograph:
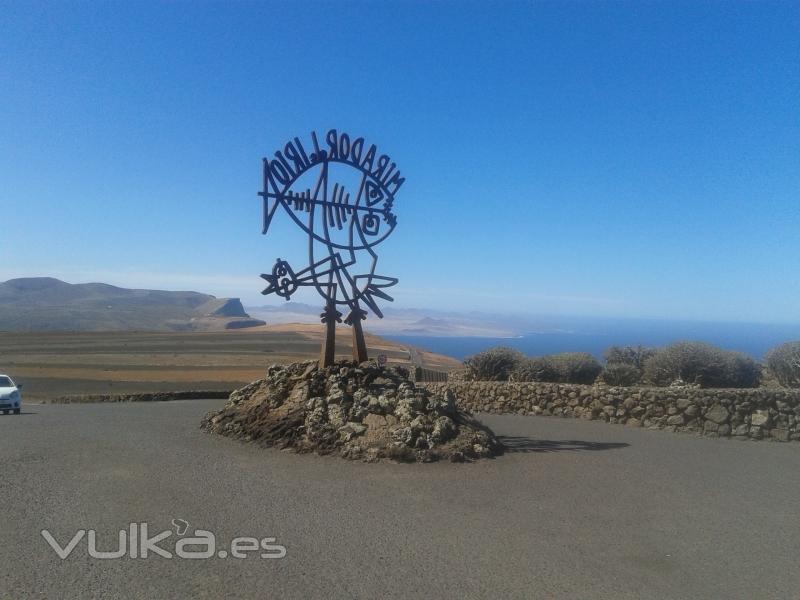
x,y
49,304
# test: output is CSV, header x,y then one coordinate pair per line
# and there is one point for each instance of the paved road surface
x,y
578,510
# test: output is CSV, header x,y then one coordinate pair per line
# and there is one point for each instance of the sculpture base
x,y
359,411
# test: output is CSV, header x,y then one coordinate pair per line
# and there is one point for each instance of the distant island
x,y
401,321
462,333
49,304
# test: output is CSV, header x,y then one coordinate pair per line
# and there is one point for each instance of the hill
x,y
48,304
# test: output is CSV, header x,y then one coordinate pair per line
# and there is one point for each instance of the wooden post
x,y
359,345
328,350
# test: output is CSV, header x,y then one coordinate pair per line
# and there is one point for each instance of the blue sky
x,y
615,159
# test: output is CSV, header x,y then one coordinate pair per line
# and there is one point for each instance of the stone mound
x,y
359,411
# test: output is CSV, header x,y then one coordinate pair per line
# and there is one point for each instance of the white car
x,y
10,398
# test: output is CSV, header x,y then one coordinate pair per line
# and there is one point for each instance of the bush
x,y
634,356
622,374
741,371
576,367
535,369
495,364
784,364
570,367
701,364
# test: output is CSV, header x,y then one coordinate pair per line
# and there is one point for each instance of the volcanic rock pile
x,y
360,411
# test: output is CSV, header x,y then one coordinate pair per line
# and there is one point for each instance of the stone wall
x,y
142,397
755,414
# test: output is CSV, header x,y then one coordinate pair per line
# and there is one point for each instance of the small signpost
x,y
340,192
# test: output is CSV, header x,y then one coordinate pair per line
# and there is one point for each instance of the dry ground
x,y
54,364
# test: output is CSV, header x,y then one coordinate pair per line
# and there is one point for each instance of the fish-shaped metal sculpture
x,y
342,197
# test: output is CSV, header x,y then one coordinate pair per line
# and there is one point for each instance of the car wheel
x,y
5,412
16,411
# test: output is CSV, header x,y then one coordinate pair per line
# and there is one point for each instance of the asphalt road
x,y
578,510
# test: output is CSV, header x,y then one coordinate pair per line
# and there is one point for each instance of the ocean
x,y
594,336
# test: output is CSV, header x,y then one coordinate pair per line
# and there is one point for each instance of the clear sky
x,y
638,159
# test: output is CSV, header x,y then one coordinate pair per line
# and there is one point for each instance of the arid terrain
x,y
52,364
48,304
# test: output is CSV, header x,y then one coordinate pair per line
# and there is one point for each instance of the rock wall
x,y
142,397
743,414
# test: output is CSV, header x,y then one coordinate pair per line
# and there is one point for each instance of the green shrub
x,y
622,374
635,356
741,371
701,364
494,364
576,367
784,364
535,369
569,367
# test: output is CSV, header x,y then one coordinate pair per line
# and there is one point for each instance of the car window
x,y
5,382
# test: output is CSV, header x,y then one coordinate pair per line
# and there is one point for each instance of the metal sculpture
x,y
342,197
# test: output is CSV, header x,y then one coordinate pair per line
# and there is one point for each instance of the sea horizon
x,y
596,335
